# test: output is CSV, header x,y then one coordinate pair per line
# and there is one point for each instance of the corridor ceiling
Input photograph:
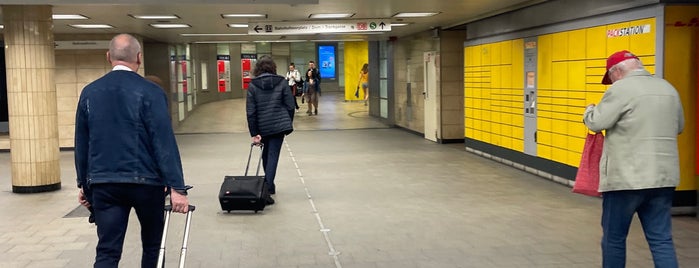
x,y
205,16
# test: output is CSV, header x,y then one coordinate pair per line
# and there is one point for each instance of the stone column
x,y
31,90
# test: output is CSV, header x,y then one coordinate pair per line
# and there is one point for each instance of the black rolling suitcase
x,y
185,237
244,192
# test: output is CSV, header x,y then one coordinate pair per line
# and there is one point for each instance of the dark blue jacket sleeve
x,y
82,137
162,138
251,110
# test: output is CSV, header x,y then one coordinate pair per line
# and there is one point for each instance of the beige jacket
x,y
642,116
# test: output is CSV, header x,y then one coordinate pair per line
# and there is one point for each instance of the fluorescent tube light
x,y
244,15
237,25
414,14
68,17
169,25
213,34
154,17
331,16
398,24
91,26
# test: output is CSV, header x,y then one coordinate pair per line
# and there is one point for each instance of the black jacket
x,y
270,106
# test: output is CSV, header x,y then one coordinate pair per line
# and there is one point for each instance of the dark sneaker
x,y
270,200
316,111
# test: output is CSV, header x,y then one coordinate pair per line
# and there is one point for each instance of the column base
x,y
36,189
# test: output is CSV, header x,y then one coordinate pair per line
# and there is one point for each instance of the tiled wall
x,y
74,70
452,101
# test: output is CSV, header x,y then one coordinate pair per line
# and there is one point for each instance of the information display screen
x,y
326,61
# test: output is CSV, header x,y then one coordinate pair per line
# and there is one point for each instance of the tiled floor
x,y
350,194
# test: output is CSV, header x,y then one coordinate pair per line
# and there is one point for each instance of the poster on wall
x,y
223,66
326,60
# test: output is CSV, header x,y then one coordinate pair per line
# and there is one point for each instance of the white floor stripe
x,y
325,231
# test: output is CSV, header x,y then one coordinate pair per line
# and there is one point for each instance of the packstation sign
x,y
304,27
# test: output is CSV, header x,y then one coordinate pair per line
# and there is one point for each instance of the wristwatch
x,y
181,191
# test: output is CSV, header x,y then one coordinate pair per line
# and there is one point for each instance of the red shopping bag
x,y
587,179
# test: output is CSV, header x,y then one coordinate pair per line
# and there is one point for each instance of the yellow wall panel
x,y
615,44
576,75
560,47
596,43
544,62
543,124
559,71
517,145
644,43
559,155
544,137
574,158
576,45
506,51
543,151
518,63
681,48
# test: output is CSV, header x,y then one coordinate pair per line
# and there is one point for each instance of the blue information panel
x,y
326,62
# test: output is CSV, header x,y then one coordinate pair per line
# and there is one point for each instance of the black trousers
x,y
112,204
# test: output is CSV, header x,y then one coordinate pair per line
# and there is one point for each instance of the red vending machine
x,y
223,66
247,63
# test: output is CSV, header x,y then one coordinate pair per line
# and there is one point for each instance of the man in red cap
x,y
639,169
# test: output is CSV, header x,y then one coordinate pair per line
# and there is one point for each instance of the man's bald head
x,y
124,48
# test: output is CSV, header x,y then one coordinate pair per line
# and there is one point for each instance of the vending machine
x,y
223,65
247,64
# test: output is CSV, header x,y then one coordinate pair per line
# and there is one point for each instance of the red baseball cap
x,y
615,59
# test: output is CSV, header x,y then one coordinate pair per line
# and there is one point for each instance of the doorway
x,y
431,95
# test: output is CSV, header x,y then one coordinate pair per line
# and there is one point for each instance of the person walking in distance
x,y
270,113
310,92
294,78
639,170
313,71
127,155
364,81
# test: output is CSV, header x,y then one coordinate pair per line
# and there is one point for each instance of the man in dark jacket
x,y
126,154
270,111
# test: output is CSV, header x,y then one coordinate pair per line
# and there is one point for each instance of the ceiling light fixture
x,y
331,16
225,16
154,17
169,25
398,24
2,26
91,26
68,17
212,34
237,25
414,14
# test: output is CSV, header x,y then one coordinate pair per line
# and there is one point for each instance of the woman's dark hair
x,y
365,68
264,64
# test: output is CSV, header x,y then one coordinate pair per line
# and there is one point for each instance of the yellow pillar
x,y
31,94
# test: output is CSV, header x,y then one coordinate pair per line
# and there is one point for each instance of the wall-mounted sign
x,y
304,27
84,44
626,31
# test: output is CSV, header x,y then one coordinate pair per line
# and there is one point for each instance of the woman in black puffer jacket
x,y
270,110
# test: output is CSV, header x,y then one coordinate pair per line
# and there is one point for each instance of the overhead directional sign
x,y
314,27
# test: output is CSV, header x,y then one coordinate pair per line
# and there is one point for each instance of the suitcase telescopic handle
x,y
247,166
185,237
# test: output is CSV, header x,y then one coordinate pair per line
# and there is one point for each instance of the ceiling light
x,y
331,16
414,14
169,25
220,42
244,15
91,26
398,24
68,17
155,17
2,26
212,34
236,25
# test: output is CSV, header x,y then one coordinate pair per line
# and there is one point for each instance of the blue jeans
x,y
112,205
270,158
653,208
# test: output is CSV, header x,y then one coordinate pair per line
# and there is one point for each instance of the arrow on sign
x,y
382,25
257,28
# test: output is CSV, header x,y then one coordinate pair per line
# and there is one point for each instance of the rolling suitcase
x,y
244,192
185,239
